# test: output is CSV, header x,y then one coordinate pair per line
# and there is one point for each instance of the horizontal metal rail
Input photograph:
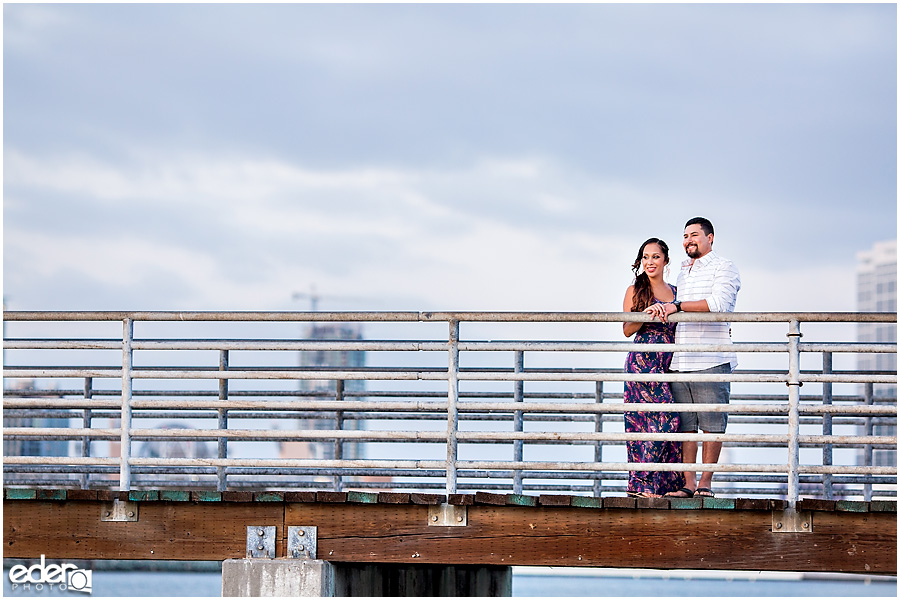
x,y
438,407
436,346
431,436
444,317
360,418
463,464
358,375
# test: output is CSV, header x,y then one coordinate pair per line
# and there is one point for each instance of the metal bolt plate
x,y
302,542
260,541
119,510
792,521
447,515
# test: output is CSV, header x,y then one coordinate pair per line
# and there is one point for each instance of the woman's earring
x,y
667,271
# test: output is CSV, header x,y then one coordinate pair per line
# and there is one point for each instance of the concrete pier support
x,y
367,579
318,578
261,577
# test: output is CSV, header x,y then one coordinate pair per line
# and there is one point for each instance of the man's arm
x,y
726,283
691,306
664,310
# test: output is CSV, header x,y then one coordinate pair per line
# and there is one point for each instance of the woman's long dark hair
x,y
643,295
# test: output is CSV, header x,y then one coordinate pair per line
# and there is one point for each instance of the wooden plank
x,y
816,504
689,503
461,499
555,500
300,496
81,494
393,497
163,531
268,496
883,506
174,495
619,502
143,495
362,497
20,494
521,500
489,498
331,496
235,496
206,496
654,503
718,503
430,499
852,506
751,504
51,494
110,495
620,538
587,502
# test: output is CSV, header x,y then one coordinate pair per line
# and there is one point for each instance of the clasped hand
x,y
658,311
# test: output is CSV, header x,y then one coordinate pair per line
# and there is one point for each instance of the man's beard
x,y
693,251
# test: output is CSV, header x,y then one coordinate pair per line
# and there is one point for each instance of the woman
x,y
649,288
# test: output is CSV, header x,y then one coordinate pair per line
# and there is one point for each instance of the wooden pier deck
x,y
492,529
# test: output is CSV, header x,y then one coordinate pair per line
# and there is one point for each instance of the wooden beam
x,y
512,534
164,530
618,538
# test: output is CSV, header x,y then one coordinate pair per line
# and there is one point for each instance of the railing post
x,y
222,472
793,384
86,423
452,405
339,426
827,449
867,449
599,418
518,420
127,364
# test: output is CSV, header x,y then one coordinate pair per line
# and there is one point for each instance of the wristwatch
x,y
677,305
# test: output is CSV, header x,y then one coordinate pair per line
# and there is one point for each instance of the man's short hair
x,y
704,224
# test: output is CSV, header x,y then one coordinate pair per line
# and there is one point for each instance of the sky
x,y
439,156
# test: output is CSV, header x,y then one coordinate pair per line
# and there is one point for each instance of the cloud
x,y
519,233
356,229
479,155
117,260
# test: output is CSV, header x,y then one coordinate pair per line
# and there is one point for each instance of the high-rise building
x,y
876,286
326,389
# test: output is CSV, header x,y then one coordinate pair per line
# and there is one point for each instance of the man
x,y
707,283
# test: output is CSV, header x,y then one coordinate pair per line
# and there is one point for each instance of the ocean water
x,y
532,582
633,583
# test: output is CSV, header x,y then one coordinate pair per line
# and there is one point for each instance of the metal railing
x,y
556,431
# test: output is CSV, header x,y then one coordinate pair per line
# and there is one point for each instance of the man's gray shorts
x,y
703,392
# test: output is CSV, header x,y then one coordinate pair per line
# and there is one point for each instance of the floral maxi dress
x,y
647,392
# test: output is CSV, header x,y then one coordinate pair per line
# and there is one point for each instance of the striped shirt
x,y
716,280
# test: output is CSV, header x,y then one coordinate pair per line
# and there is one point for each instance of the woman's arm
x,y
629,328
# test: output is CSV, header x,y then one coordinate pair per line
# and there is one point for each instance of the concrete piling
x,y
260,577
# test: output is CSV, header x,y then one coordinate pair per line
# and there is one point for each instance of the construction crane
x,y
314,297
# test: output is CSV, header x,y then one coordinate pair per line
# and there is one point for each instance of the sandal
x,y
705,492
687,493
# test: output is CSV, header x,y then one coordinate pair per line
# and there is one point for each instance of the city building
x,y
327,389
876,285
